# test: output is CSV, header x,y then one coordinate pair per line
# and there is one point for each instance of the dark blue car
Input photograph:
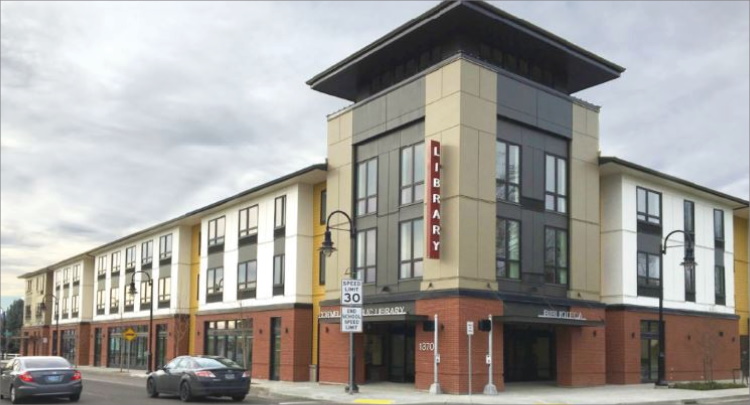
x,y
40,376
200,376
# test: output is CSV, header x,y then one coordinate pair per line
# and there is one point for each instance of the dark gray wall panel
x,y
530,105
216,260
389,111
247,253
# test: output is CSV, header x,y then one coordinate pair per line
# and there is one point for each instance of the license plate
x,y
54,378
229,376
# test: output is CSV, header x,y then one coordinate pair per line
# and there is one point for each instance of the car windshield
x,y
46,363
204,362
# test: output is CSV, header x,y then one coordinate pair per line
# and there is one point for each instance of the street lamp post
x,y
57,321
328,249
132,291
689,263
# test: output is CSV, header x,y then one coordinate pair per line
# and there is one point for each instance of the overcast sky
x,y
120,115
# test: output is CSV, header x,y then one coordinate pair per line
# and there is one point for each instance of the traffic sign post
x,y
470,333
351,319
351,292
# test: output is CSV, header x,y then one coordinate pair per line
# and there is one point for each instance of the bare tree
x,y
708,343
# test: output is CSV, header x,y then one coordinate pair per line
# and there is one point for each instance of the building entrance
x,y
389,352
529,353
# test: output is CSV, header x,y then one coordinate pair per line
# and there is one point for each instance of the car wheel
x,y
185,395
151,388
238,398
13,398
75,397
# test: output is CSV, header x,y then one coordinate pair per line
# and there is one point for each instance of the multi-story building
x,y
742,281
72,299
640,208
37,312
504,225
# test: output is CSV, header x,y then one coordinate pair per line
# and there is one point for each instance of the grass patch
x,y
707,385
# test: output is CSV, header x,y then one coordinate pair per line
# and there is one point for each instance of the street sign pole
x,y
470,332
435,387
351,320
490,388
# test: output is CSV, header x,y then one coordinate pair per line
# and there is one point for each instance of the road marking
x,y
298,403
373,401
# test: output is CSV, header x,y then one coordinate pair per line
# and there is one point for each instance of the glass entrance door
x,y
275,362
649,351
529,353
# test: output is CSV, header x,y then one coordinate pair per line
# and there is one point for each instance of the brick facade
x,y
37,341
697,347
296,344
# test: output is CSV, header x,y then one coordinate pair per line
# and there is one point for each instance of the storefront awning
x,y
406,318
515,319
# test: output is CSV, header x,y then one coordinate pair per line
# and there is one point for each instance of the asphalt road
x,y
104,389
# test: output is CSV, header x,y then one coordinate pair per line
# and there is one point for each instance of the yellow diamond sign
x,y
129,334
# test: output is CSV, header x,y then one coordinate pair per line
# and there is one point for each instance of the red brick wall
x,y
333,363
581,352
33,341
296,342
692,343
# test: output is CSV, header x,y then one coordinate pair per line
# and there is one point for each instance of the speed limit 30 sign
x,y
351,292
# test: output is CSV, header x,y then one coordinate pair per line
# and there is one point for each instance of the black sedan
x,y
40,376
200,376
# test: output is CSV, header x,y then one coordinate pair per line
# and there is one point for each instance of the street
x,y
120,390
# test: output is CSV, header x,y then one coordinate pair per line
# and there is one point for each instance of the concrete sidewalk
x,y
515,393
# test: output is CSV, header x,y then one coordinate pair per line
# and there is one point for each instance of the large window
x,y
367,187
101,265
145,293
366,253
649,268
508,172
248,221
321,268
130,258
412,173
247,279
147,252
216,231
689,228
165,290
720,285
231,339
100,302
720,295
323,206
279,212
215,284
165,247
75,305
114,299
719,225
115,262
412,249
508,248
556,188
278,275
649,206
555,255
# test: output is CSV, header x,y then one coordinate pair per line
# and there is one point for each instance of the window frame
x,y
506,182
146,293
367,271
556,193
101,266
689,228
245,230
115,261
214,239
114,299
248,288
720,285
278,276
719,229
165,246
323,206
412,261
164,290
363,175
557,268
507,222
279,219
214,285
147,252
413,183
130,257
648,285
647,216
321,268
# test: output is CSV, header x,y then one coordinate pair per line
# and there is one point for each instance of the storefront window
x,y
231,339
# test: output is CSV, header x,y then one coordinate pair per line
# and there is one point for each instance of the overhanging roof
x,y
474,21
545,321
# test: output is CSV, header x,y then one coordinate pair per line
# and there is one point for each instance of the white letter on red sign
x,y
433,202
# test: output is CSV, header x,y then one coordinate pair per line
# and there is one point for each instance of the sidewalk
x,y
516,393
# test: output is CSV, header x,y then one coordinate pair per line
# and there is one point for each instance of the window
x,y
247,279
66,275
147,252
74,304
689,228
101,265
367,187
65,307
555,256
76,273
248,221
719,286
321,268
649,206
165,289
130,258
279,212
216,231
508,172
508,248
28,286
366,252
100,302
165,247
115,262
649,268
129,300
214,284
323,207
114,299
145,292
719,225
278,275
412,173
412,249
27,312
556,184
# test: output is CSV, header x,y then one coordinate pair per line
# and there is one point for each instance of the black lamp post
x,y
57,321
689,263
328,249
133,291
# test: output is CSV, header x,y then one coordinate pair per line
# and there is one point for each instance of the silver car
x,y
40,376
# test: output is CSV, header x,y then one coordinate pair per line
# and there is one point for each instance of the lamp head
x,y
327,246
689,261
132,290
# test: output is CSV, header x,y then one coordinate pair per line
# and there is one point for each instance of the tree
x,y
13,324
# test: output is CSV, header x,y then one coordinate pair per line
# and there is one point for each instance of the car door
x,y
5,377
167,382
